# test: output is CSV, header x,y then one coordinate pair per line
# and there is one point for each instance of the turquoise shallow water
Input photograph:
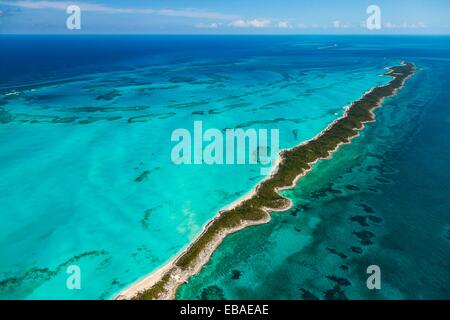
x,y
86,175
383,200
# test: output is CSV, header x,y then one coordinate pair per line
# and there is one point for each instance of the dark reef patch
x,y
114,118
357,250
307,295
143,254
105,109
447,234
340,281
352,187
90,120
64,120
109,95
188,104
372,168
336,293
375,219
212,293
232,97
144,91
144,220
343,267
339,254
323,192
229,107
5,116
366,207
182,79
383,180
35,276
277,103
32,118
149,117
360,219
298,209
235,274
262,122
143,176
365,237
114,284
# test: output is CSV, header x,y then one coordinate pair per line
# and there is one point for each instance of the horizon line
x,y
223,34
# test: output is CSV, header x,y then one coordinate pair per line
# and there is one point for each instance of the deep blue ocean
x,y
86,177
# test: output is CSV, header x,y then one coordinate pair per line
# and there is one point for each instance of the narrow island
x,y
255,208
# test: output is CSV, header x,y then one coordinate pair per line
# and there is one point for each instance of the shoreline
x,y
254,208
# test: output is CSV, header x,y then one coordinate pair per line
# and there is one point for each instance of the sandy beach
x,y
178,276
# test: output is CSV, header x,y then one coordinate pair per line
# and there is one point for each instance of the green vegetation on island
x,y
294,163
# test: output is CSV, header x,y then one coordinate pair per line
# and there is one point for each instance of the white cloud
x,y
194,13
309,26
284,24
422,25
404,25
213,25
340,25
254,23
93,7
260,23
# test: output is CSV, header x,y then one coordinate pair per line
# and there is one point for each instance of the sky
x,y
225,17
